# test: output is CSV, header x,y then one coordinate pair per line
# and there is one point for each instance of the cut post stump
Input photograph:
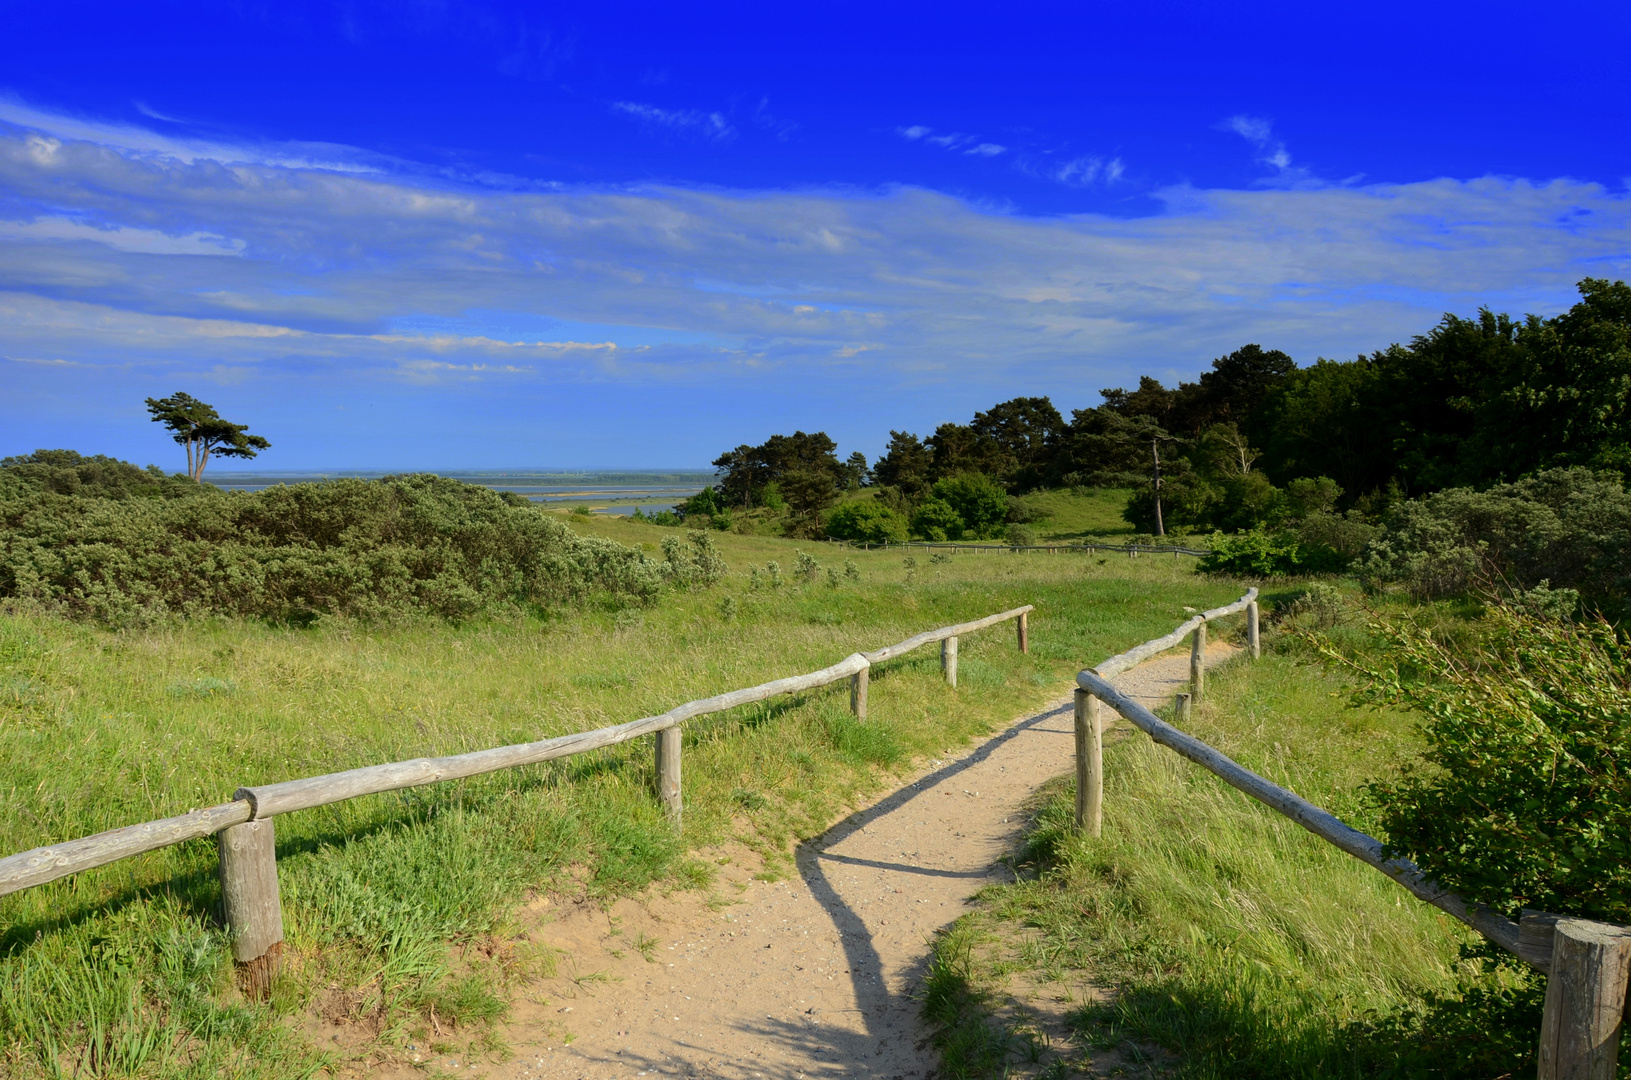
x,y
1585,1001
948,661
1089,764
250,905
1197,662
668,772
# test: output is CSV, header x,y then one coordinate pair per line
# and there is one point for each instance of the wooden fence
x,y
1130,550
1587,963
243,827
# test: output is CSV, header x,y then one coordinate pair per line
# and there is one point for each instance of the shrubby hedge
x,y
870,522
1569,528
404,545
1522,798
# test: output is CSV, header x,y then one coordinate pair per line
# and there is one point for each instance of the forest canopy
x,y
1258,442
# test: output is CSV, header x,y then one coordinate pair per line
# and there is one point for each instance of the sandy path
x,y
803,978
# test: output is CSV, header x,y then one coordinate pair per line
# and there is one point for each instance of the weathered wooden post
x,y
1022,626
1197,662
1089,764
948,660
668,771
857,693
1585,1001
1254,640
1180,708
250,904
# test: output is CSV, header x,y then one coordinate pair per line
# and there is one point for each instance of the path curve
x,y
807,978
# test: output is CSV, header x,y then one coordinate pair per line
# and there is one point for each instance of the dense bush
x,y
1523,796
1263,554
936,519
968,506
869,522
64,472
363,549
980,502
1021,535
1568,527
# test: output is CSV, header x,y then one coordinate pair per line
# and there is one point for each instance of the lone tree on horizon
x,y
201,430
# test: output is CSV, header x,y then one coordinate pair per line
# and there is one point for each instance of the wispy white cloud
x,y
148,110
916,131
1080,172
719,282
780,127
1260,133
131,139
122,237
709,125
986,150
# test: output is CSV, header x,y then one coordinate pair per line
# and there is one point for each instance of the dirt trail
x,y
804,978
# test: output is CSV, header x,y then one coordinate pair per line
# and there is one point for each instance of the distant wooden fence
x,y
243,827
1131,550
1587,963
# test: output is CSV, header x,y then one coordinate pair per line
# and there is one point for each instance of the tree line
x,y
1254,441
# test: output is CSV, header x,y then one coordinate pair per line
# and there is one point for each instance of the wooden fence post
x,y
1585,1001
948,660
1024,630
1180,708
1089,764
668,771
1197,662
250,904
1254,639
857,693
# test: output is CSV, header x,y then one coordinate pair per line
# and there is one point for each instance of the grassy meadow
x,y
1227,936
397,904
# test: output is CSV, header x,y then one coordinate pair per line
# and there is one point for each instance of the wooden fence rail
x,y
1128,549
243,827
1588,964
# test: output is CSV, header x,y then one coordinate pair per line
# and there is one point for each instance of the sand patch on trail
x,y
809,977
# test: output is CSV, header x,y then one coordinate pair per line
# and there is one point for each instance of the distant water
x,y
621,492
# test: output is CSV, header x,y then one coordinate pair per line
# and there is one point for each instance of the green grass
x,y
395,904
1080,514
1226,934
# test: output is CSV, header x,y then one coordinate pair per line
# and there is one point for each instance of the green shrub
x,y
403,545
700,565
1021,535
64,472
937,519
1262,554
866,522
1568,527
1522,798
979,501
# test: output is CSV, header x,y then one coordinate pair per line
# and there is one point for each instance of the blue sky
x,y
428,235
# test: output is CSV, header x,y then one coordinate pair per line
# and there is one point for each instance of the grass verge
x,y
397,906
1205,936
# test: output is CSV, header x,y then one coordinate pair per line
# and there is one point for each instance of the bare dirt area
x,y
808,977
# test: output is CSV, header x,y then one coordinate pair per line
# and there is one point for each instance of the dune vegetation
x,y
396,905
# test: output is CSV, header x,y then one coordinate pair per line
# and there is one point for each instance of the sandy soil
x,y
810,977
